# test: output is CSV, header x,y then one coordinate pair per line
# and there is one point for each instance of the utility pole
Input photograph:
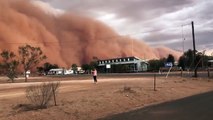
x,y
194,52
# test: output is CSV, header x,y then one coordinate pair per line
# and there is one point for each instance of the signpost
x,y
168,64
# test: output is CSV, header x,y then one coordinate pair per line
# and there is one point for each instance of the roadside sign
x,y
168,64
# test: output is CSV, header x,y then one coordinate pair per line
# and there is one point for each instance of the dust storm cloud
x,y
67,38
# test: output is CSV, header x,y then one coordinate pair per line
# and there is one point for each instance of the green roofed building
x,y
122,65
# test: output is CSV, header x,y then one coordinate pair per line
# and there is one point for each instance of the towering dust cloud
x,y
67,38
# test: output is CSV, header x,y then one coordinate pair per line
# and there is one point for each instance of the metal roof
x,y
122,58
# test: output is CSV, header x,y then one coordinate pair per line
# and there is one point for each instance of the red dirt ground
x,y
83,100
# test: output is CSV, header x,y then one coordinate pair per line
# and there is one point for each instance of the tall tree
x,y
87,68
155,65
74,68
30,57
46,67
9,64
94,64
181,62
189,58
198,60
171,59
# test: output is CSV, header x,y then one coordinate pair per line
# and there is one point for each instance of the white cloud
x,y
209,52
112,20
47,8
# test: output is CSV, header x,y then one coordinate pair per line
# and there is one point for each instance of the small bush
x,y
127,88
40,95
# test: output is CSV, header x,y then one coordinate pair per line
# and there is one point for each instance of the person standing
x,y
94,73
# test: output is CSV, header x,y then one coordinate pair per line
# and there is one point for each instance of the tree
x,y
189,58
154,65
198,60
171,59
201,59
74,68
40,70
86,68
46,67
30,57
205,60
41,94
93,64
182,62
9,64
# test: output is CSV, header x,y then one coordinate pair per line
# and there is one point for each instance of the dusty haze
x,y
68,38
